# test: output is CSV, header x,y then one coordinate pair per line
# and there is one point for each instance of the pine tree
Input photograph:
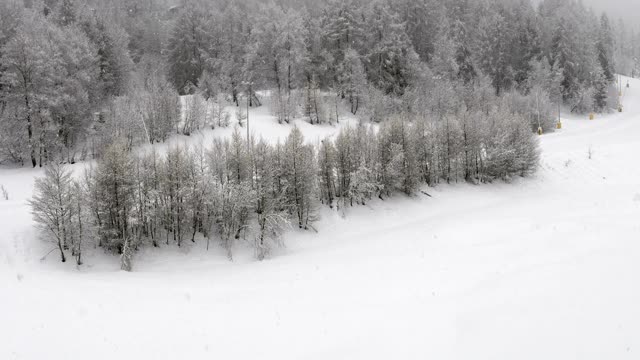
x,y
391,56
494,55
229,60
563,54
114,62
526,46
186,48
421,20
344,29
605,48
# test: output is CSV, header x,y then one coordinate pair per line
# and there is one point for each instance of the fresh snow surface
x,y
541,268
262,125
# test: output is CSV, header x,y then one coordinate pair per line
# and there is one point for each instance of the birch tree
x,y
52,205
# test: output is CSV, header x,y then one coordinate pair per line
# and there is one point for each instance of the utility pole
x,y
620,85
619,93
538,111
248,99
249,152
559,124
559,112
249,86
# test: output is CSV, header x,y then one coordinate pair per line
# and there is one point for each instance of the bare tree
x,y
52,204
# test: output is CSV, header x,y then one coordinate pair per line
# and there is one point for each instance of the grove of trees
x,y
255,191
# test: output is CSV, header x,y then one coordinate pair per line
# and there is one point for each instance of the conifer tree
x,y
186,48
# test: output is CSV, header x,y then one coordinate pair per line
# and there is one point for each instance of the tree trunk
x,y
79,250
64,259
30,132
125,261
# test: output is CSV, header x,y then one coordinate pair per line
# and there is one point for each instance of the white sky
x,y
628,10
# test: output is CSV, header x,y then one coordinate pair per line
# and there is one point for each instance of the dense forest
x,y
445,90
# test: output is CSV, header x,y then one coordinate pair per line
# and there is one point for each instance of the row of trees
x,y
236,190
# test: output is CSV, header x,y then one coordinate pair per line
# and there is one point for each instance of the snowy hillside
x,y
543,268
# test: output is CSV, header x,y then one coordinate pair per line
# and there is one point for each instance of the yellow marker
x,y
539,130
592,116
559,125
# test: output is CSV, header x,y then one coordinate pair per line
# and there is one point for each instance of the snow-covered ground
x,y
543,268
262,125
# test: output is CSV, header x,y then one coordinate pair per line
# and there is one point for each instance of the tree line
x,y
76,75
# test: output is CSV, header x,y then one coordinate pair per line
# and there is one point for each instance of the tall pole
x,y
538,111
559,104
249,152
619,92
248,97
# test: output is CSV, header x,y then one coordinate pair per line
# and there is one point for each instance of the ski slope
x,y
542,268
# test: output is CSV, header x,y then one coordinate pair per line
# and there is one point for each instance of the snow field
x,y
542,268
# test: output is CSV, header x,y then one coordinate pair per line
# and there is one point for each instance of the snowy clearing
x,y
543,268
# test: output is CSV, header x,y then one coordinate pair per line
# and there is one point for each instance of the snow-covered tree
x,y
45,70
113,59
161,107
186,48
299,169
512,149
397,158
272,217
114,195
53,205
219,116
353,80
327,167
194,114
175,174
